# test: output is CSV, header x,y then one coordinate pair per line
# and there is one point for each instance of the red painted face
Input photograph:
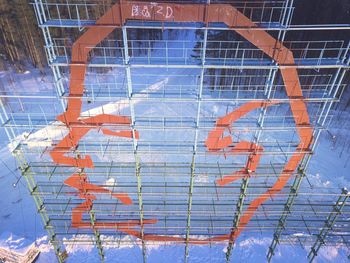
x,y
215,142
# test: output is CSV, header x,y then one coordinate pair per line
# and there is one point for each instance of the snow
x,y
10,241
21,225
44,136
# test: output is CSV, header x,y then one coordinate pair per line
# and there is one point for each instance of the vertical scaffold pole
x,y
189,207
4,119
132,116
286,211
139,195
199,106
237,217
97,234
329,223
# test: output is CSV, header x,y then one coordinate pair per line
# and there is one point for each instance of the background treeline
x,y
20,38
21,42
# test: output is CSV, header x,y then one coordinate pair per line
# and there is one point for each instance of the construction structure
x,y
180,122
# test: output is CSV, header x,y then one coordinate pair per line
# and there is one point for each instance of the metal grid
x,y
174,89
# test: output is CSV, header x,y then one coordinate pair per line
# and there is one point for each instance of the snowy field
x,y
21,225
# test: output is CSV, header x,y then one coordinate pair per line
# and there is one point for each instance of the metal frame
x,y
145,179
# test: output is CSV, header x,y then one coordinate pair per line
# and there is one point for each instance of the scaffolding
x,y
171,123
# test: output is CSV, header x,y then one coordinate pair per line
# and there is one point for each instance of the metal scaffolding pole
x,y
329,223
287,210
137,161
189,208
199,103
139,195
4,118
97,234
98,241
129,87
237,217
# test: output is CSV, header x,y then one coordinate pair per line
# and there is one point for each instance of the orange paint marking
x,y
78,130
216,142
81,183
85,189
86,207
229,15
252,163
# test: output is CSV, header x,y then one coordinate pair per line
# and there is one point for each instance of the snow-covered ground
x,y
20,225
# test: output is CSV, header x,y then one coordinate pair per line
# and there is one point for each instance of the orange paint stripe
x,y
81,183
195,13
